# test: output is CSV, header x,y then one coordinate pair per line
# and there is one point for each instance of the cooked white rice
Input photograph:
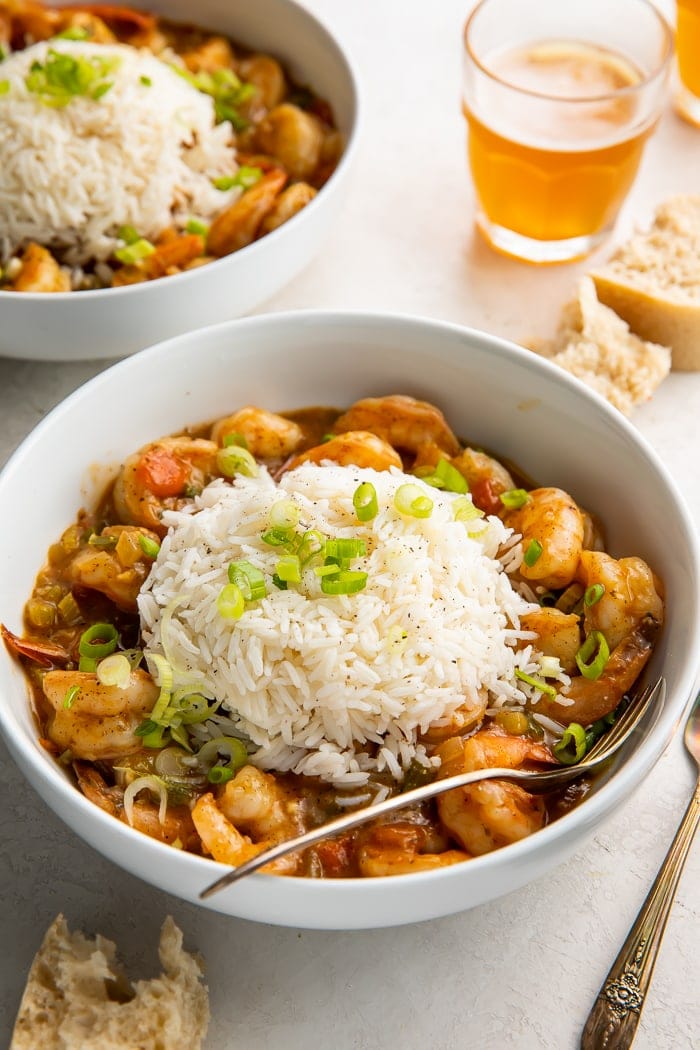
x,y
142,155
325,685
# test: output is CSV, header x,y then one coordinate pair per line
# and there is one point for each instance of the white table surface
x,y
522,971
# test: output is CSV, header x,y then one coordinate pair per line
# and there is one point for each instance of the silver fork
x,y
612,1023
545,780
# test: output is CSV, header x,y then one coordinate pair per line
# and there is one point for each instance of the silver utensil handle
x,y
613,1021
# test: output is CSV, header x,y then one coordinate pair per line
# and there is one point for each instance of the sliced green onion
x,y
281,538
146,727
288,569
412,501
103,542
219,774
179,735
281,585
230,603
114,670
550,666
396,639
69,698
232,460
328,569
63,77
197,226
134,252
593,594
4,87
464,510
547,600
163,678
150,783
149,547
98,641
284,515
345,549
192,708
313,543
452,480
514,499
73,33
533,552
234,438
224,183
593,656
572,746
247,176
87,664
364,501
345,582
230,748
155,739
128,234
327,437
249,580
538,683
147,82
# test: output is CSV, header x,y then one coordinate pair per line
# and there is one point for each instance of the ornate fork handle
x,y
613,1021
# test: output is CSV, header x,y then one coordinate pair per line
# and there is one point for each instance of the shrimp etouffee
x,y
185,146
175,762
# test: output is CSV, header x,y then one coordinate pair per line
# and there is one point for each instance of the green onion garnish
x,y
330,568
248,579
312,545
230,748
234,438
345,549
147,82
219,774
98,641
593,594
233,460
464,510
197,226
73,33
364,501
63,77
514,499
572,746
533,552
149,547
412,501
230,603
146,727
245,177
4,87
224,182
69,698
128,234
444,476
105,542
538,683
279,538
288,569
344,582
87,664
114,670
593,656
281,585
284,515
134,252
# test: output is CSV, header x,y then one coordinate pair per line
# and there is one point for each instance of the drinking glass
x,y
560,97
688,51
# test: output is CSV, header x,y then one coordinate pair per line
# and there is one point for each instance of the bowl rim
x,y
590,812
347,64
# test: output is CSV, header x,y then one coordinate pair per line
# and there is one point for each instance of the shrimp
x,y
268,77
118,573
463,719
631,591
239,224
160,476
46,654
40,272
402,422
177,826
252,813
487,478
267,435
171,255
101,719
550,519
29,20
558,634
357,448
289,202
482,817
294,137
212,54
97,30
587,700
402,848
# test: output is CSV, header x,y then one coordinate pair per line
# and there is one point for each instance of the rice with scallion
x,y
139,147
340,686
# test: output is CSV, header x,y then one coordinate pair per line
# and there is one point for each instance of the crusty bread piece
x,y
595,345
653,281
77,998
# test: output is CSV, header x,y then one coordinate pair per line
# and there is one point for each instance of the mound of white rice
x,y
143,154
312,678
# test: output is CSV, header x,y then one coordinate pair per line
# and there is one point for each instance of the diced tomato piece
x,y
485,497
162,472
335,856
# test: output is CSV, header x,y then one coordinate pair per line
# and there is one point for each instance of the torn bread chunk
x,y
596,346
653,281
78,998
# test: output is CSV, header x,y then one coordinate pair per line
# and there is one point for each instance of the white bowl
x,y
493,393
114,322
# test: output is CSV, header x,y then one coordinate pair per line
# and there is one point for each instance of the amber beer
x,y
557,120
569,180
688,52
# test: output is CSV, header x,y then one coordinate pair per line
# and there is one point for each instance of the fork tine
x,y
627,722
